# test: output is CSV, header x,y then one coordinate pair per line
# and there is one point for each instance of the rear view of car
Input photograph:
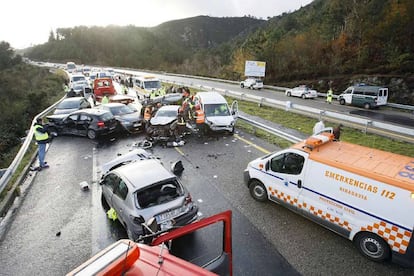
x,y
144,189
129,119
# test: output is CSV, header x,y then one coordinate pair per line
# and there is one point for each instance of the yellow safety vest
x,y
39,136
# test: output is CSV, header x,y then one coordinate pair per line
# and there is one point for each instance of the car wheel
x,y
258,190
91,134
372,246
303,96
341,101
288,94
367,106
242,85
105,204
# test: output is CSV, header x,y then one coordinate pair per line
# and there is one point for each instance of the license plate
x,y
168,215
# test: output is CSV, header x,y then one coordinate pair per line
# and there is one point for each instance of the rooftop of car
x,y
144,172
211,97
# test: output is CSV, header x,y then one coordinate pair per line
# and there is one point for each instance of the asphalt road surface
x,y
58,226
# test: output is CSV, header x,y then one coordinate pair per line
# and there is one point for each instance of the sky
x,y
24,23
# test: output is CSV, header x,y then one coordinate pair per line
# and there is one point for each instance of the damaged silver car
x,y
144,189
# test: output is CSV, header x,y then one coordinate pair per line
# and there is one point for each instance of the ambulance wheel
x,y
341,101
372,246
258,190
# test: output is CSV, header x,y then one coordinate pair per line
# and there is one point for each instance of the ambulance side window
x,y
289,163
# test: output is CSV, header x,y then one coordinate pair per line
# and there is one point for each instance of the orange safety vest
x,y
200,118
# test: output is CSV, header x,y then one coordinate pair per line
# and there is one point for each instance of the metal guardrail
x,y
23,149
277,132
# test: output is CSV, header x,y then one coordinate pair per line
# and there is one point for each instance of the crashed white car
x,y
218,115
302,91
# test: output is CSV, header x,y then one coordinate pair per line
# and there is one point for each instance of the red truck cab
x,y
103,87
126,257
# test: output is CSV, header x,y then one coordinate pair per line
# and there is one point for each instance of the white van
x,y
360,193
218,115
144,85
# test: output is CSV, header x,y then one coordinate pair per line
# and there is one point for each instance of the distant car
x,y
79,87
252,83
144,189
302,91
129,119
102,87
76,78
72,104
92,123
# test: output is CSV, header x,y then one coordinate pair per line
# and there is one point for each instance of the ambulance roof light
x,y
318,140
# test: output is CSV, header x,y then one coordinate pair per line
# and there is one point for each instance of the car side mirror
x,y
177,167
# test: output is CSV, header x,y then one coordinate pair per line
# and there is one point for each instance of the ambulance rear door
x,y
284,177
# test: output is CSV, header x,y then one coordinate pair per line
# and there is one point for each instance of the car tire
x,y
91,134
367,105
303,96
242,85
288,94
341,101
372,246
105,204
258,190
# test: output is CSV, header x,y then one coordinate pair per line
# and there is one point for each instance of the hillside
x,y
327,41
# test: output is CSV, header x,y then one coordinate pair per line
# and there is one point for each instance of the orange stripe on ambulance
x,y
363,194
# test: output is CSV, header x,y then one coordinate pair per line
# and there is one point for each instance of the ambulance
x,y
144,85
363,194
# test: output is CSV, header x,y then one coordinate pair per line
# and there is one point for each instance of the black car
x,y
129,119
69,105
90,122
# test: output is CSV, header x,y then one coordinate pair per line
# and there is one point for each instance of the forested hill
x,y
328,40
162,47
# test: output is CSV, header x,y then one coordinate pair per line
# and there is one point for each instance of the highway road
x,y
58,226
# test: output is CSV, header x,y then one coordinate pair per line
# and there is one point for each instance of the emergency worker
x,y
329,96
105,100
42,138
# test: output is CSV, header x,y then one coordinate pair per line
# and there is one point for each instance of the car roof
x,y
112,104
170,107
143,173
92,111
211,97
73,99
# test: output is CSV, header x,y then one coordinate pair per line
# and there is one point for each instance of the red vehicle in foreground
x,y
126,257
103,87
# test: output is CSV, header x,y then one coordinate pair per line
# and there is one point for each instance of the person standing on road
x,y
42,138
329,96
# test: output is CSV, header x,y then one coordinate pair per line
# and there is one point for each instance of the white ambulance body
x,y
363,194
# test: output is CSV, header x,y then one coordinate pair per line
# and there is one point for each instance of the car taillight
x,y
101,124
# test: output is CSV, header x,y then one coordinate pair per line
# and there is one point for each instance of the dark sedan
x,y
92,123
129,119
69,105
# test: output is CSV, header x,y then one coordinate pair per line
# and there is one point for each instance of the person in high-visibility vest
x,y
42,138
329,96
